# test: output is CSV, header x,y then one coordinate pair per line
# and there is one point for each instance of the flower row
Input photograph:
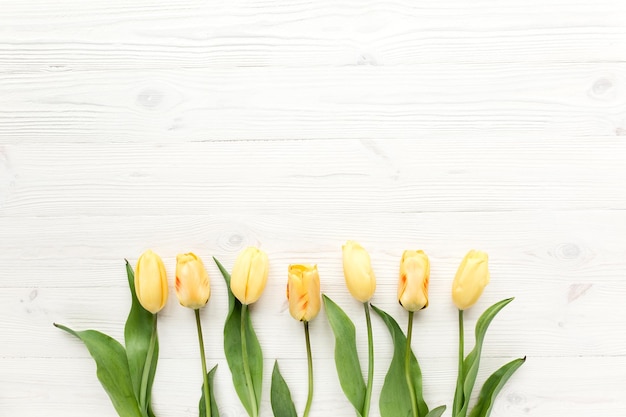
x,y
249,277
131,369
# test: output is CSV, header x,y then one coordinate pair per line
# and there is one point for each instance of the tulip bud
x,y
303,292
414,277
357,270
192,281
151,282
470,280
249,275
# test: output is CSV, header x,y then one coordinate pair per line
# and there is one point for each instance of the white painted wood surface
x,y
208,126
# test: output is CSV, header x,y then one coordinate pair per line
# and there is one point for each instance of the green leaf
x,y
472,361
346,357
214,410
394,396
234,351
112,369
437,412
282,404
137,333
492,387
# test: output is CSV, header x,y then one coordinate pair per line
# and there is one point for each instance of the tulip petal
x,y
472,360
202,406
137,332
346,356
112,369
282,404
394,396
492,387
234,351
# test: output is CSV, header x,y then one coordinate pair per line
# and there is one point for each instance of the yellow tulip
x,y
414,277
193,288
357,270
151,282
470,280
303,292
249,275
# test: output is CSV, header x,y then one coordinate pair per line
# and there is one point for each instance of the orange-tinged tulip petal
x,y
151,282
470,280
193,287
249,275
414,277
357,270
303,292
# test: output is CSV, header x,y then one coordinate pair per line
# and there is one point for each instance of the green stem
x,y
370,368
407,366
246,365
309,399
458,395
205,386
143,391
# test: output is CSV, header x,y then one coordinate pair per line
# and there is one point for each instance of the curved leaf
x,y
472,361
492,387
437,412
394,396
346,357
137,333
112,369
202,406
234,351
282,404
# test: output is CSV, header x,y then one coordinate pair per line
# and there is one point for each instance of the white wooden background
x,y
208,126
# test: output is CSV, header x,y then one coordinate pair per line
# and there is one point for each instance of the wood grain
x,y
405,102
313,178
70,36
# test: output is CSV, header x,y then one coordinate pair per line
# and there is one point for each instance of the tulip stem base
x,y
309,399
205,377
246,365
370,357
143,390
458,395
407,366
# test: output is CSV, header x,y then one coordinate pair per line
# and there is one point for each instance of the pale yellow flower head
x,y
413,282
151,282
303,292
357,270
470,280
193,287
249,275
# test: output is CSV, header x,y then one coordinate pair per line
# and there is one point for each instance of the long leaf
x,y
234,351
282,404
202,406
492,387
137,332
112,369
472,361
346,356
394,396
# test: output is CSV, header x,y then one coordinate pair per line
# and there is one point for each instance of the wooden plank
x,y
115,35
313,178
472,101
